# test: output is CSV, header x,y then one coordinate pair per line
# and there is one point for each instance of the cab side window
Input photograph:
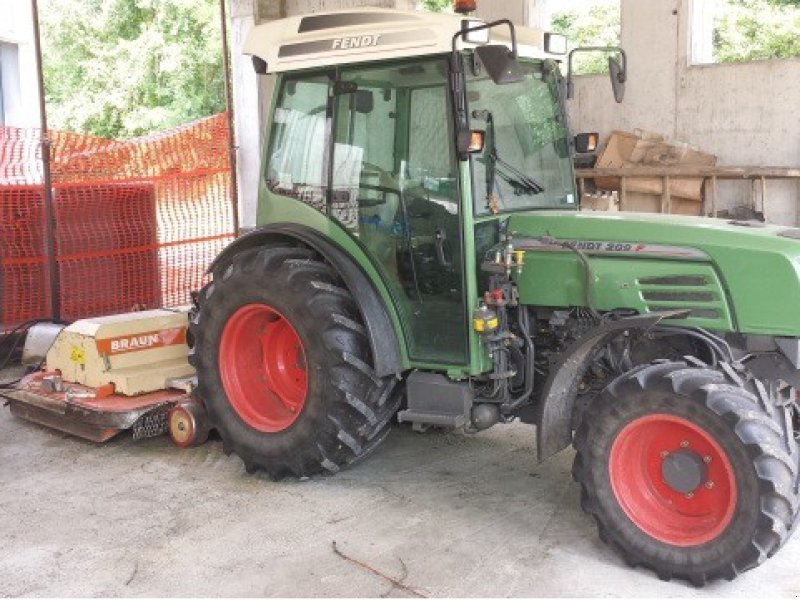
x,y
297,151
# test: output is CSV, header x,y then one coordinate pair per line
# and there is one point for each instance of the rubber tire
x,y
757,436
348,408
199,420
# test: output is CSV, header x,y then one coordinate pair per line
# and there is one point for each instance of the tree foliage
x,y
597,26
757,29
436,5
123,68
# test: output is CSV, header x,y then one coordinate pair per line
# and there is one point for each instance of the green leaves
x,y
436,5
124,68
597,26
756,30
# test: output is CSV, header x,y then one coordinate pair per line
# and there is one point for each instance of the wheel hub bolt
x,y
664,454
690,495
710,485
706,459
685,444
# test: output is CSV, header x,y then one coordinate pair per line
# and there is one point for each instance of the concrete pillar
x,y
247,122
534,13
650,98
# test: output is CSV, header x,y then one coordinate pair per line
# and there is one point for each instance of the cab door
x,y
394,187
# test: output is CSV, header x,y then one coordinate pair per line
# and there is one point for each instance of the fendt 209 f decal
x,y
611,247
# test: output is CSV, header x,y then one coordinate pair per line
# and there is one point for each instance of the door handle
x,y
441,238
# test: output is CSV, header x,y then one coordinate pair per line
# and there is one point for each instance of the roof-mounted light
x,y
463,7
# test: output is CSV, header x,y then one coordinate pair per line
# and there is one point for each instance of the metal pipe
x,y
47,182
229,107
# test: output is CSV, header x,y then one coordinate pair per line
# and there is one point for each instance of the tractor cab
x,y
372,120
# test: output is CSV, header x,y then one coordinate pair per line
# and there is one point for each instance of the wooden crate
x,y
642,149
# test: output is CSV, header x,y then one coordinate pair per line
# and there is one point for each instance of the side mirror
x,y
586,142
618,75
618,69
500,63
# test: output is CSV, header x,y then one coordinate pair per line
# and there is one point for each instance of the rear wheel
x,y
688,472
284,365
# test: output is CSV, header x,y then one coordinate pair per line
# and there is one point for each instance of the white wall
x,y
746,114
20,89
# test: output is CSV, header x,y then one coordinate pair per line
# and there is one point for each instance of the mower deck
x,y
89,414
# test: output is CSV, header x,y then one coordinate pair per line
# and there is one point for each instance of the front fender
x,y
554,416
383,339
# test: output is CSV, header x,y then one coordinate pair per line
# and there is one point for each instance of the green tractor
x,y
420,257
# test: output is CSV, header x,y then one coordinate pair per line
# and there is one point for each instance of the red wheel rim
x,y
638,481
263,368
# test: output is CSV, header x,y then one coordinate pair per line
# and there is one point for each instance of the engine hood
x,y
757,266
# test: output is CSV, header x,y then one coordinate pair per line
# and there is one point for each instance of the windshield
x,y
525,163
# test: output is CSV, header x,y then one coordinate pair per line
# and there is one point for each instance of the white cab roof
x,y
351,36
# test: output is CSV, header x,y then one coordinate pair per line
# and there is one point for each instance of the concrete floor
x,y
447,514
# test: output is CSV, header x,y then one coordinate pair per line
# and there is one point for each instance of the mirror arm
x,y
458,82
508,22
619,50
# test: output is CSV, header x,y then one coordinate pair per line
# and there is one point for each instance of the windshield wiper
x,y
522,183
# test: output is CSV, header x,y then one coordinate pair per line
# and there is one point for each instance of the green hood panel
x,y
732,277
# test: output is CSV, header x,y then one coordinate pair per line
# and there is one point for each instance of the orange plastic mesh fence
x,y
136,222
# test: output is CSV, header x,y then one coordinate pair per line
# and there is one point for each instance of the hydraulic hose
x,y
523,320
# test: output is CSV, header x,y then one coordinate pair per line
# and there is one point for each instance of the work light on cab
x,y
464,6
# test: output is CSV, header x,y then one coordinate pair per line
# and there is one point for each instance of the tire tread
x,y
359,416
761,428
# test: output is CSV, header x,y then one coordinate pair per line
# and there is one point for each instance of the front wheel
x,y
687,472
